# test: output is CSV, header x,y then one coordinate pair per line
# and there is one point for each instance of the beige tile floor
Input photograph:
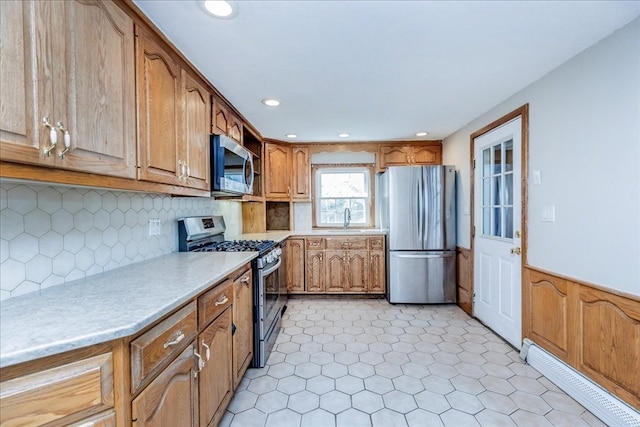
x,y
356,362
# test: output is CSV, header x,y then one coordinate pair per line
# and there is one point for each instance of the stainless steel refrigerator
x,y
417,208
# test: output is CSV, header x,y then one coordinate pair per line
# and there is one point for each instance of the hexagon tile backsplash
x,y
50,235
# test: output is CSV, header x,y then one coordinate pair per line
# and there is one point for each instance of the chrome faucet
x,y
347,217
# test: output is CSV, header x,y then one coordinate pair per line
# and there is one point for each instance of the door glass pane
x,y
497,223
486,162
508,155
508,223
486,221
508,189
497,159
486,191
496,189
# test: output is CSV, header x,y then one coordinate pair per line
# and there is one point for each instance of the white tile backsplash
x,y
302,219
51,234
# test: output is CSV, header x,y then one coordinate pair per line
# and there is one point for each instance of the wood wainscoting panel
x,y
465,285
609,350
547,314
593,329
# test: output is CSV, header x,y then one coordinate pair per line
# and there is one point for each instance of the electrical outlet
x,y
155,227
537,178
549,213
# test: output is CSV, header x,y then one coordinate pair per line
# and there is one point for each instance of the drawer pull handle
x,y
179,337
245,280
207,351
221,301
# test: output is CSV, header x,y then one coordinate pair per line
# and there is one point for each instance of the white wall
x,y
584,137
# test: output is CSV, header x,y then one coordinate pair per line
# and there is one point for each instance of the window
x,y
338,187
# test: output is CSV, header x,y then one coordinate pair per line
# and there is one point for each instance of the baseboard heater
x,y
604,405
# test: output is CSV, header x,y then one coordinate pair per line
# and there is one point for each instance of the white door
x,y
497,221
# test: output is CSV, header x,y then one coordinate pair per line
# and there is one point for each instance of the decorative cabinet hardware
x,y
178,337
223,300
200,364
53,136
207,350
66,138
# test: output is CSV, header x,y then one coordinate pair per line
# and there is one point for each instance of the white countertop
x,y
107,306
341,232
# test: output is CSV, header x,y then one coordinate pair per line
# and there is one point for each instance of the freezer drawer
x,y
421,277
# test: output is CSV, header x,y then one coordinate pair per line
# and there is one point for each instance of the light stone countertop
x,y
107,306
341,232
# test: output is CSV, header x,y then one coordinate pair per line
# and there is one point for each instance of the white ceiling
x,y
380,70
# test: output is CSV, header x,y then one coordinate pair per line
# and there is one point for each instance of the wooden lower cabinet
x,y
315,277
342,265
295,265
243,322
62,395
215,380
169,399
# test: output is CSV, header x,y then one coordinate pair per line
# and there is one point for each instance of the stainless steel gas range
x,y
206,234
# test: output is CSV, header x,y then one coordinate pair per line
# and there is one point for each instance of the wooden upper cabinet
x,y
224,122
403,155
197,134
277,180
301,174
174,114
80,82
159,112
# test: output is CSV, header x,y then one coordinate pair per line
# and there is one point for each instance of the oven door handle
x,y
265,273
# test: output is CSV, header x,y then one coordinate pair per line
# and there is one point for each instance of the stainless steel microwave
x,y
231,167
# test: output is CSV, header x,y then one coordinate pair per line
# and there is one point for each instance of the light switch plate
x,y
549,213
155,227
537,178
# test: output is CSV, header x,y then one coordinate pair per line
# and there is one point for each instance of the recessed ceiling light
x,y
225,9
422,133
343,135
291,135
271,102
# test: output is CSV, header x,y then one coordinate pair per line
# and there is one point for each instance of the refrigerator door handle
x,y
422,256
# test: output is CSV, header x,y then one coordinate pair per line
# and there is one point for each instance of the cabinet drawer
x,y
316,243
160,343
376,243
214,302
346,242
52,395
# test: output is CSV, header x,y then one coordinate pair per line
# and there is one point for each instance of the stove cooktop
x,y
238,246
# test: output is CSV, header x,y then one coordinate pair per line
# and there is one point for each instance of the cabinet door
x,y
301,174
336,265
278,176
58,394
98,93
377,275
357,271
215,379
220,118
243,321
19,130
169,400
315,271
195,156
295,265
235,128
425,155
394,156
159,115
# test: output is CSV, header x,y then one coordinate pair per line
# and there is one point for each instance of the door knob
x,y
516,251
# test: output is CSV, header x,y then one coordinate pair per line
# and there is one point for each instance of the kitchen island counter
x,y
107,306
